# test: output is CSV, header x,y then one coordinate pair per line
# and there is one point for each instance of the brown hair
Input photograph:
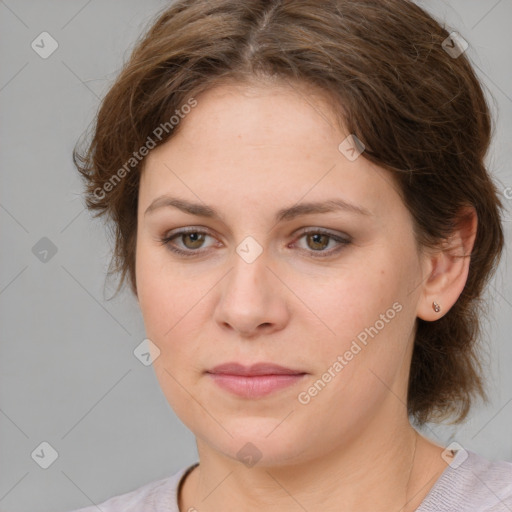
x,y
420,113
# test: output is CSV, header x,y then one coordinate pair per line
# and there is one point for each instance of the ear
x,y
446,268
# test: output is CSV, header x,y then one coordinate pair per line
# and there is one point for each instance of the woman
x,y
308,232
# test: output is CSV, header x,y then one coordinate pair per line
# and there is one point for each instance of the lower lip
x,y
256,386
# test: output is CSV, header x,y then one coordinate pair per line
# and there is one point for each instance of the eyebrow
x,y
201,210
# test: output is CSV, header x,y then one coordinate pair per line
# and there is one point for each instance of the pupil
x,y
194,239
317,240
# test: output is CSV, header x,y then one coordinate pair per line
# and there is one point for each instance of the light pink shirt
x,y
474,485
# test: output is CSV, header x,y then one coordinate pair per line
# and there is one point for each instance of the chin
x,y
258,442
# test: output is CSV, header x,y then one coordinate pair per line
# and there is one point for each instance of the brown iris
x,y
197,239
317,237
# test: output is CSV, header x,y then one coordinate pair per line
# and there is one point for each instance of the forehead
x,y
263,114
268,142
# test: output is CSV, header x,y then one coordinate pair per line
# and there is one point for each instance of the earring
x,y
436,307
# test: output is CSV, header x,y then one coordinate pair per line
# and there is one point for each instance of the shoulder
x,y
471,483
493,482
156,496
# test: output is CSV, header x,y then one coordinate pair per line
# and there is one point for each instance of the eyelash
x,y
315,254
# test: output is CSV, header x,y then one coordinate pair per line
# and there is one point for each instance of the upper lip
x,y
253,370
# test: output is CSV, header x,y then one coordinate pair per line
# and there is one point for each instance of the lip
x,y
256,369
255,381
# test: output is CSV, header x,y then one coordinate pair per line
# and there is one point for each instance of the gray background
x,y
68,375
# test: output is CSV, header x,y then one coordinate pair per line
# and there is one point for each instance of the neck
x,y
392,472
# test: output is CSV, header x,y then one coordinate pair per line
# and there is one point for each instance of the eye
x,y
191,238
318,240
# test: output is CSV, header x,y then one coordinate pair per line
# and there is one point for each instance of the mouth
x,y
255,381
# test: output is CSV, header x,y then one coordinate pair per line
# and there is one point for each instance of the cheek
x,y
162,296
173,307
166,303
353,299
370,320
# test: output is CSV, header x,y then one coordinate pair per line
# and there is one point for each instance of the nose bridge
x,y
249,295
250,259
249,277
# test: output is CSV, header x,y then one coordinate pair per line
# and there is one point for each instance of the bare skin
x,y
427,468
248,152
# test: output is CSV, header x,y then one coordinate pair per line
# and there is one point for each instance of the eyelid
x,y
341,240
324,231
176,233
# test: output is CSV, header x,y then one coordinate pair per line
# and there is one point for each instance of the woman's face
x,y
274,273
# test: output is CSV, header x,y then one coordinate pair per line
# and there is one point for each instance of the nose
x,y
252,299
